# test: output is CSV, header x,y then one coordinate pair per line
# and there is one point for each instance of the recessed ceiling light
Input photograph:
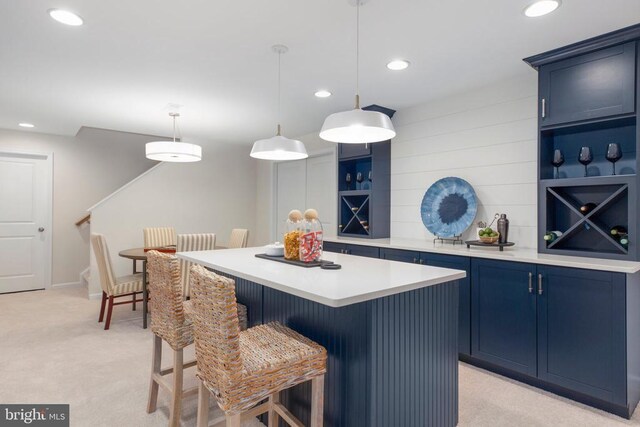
x,y
398,64
26,125
541,7
66,17
323,94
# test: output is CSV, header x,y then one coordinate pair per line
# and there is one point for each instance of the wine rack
x,y
588,233
364,206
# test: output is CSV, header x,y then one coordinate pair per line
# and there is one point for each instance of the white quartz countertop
x,y
513,253
360,278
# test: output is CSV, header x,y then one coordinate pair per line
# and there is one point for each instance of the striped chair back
x,y
238,239
156,237
189,243
105,269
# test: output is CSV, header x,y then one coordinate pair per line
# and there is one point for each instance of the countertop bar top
x,y
360,279
513,253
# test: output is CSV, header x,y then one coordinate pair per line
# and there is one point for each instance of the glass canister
x,y
311,237
292,235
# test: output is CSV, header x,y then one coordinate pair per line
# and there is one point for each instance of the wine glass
x,y
348,181
558,160
585,157
614,153
359,179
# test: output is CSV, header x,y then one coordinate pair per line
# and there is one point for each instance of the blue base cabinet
x,y
581,331
504,314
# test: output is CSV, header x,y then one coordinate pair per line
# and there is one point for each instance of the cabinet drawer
x,y
332,247
368,251
590,86
400,255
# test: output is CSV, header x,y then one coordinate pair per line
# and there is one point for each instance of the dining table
x,y
140,254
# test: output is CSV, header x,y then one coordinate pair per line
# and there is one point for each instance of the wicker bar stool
x,y
243,368
168,323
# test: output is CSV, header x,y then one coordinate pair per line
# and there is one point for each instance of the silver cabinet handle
x,y
421,261
415,260
539,284
530,282
544,108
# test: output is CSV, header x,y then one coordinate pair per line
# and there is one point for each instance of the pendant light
x,y
357,126
279,147
173,151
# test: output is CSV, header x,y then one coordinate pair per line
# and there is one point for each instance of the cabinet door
x,y
353,150
333,247
503,311
368,251
464,310
597,84
400,255
581,331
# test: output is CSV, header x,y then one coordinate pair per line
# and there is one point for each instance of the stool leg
x,y
317,401
155,369
273,415
233,420
203,405
134,301
174,414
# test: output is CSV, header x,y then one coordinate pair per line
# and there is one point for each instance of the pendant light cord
x,y
279,90
357,53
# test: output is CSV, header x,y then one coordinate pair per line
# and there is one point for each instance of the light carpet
x,y
52,350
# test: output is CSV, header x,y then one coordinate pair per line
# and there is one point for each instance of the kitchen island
x,y
390,330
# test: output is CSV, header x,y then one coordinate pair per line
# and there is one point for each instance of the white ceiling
x,y
132,58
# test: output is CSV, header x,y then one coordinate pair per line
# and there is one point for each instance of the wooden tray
x,y
481,243
293,262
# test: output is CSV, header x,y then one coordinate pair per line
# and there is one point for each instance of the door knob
x,y
41,229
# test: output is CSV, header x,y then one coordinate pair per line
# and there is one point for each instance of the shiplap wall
x,y
485,136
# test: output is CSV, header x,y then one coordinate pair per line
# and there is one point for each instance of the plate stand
x,y
453,240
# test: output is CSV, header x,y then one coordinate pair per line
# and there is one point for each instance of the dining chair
x,y
113,287
169,323
156,237
201,242
188,243
238,238
243,368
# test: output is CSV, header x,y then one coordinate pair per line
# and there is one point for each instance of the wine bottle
x,y
587,207
618,231
550,236
624,240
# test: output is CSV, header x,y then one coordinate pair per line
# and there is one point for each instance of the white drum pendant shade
x,y
357,126
170,151
278,148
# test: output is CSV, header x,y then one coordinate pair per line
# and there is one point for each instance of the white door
x,y
25,215
290,193
321,190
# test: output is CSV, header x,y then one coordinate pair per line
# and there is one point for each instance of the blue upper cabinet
x,y
581,331
346,151
591,86
503,314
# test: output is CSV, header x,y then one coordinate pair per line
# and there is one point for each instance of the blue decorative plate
x,y
449,207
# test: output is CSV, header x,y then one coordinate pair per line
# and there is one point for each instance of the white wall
x,y
485,136
211,196
86,168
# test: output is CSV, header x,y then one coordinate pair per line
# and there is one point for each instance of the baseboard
x,y
67,285
95,296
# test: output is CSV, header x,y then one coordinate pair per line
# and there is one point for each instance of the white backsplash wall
x,y
487,137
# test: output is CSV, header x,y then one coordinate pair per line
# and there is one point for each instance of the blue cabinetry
x,y
571,331
582,331
359,250
504,314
